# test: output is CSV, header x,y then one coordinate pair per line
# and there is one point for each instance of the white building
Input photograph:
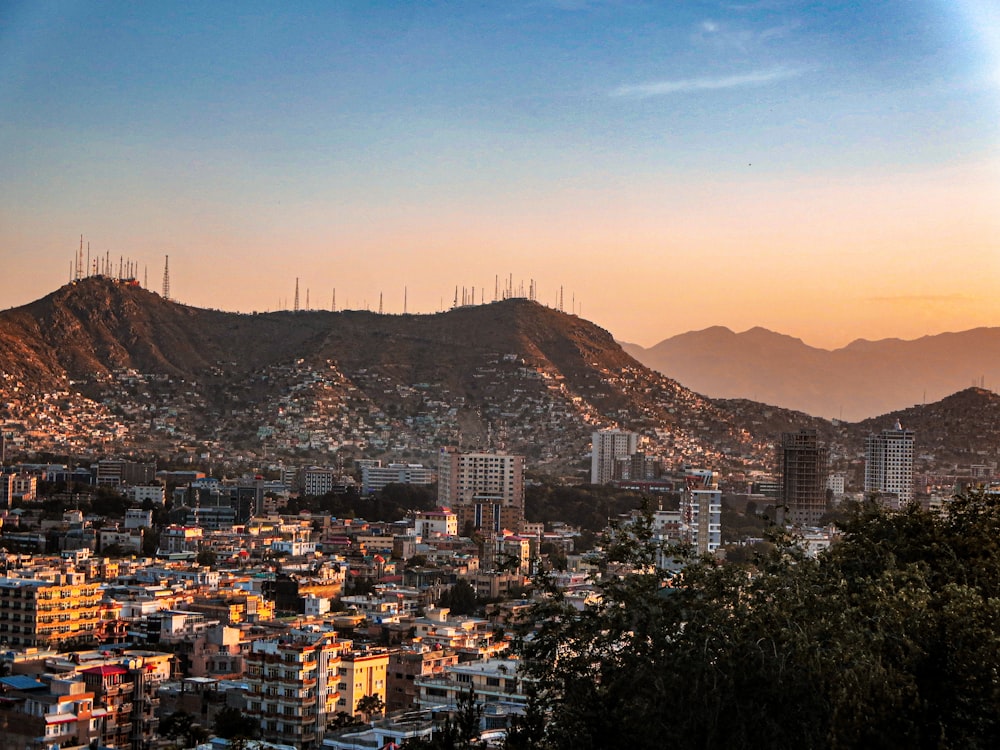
x,y
137,518
435,523
607,447
889,464
141,493
375,478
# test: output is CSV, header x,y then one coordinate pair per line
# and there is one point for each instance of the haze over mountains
x,y
106,367
861,380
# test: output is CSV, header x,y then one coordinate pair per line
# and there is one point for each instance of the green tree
x,y
230,722
460,598
183,729
460,730
370,704
890,640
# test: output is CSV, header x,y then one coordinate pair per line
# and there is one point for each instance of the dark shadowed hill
x,y
110,365
102,366
860,380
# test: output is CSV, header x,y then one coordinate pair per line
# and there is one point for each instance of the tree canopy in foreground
x,y
889,639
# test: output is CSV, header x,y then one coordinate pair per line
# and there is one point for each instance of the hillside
x,y
103,366
861,380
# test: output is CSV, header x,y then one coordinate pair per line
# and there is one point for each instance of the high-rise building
x,y
803,477
484,489
889,464
606,448
701,519
292,686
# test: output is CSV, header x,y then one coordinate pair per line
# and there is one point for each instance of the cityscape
x,y
168,583
521,375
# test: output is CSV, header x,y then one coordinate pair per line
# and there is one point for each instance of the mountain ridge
x,y
104,367
857,381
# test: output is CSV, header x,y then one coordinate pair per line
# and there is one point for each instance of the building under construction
x,y
803,462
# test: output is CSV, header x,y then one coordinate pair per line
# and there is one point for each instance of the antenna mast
x,y
166,277
79,261
296,308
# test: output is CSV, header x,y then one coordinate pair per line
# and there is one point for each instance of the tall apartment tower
x,y
803,464
606,448
889,463
484,489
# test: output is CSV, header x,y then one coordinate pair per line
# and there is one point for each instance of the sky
x,y
826,170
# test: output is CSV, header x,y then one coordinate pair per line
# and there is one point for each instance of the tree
x,y
182,728
207,557
460,598
370,704
891,639
231,722
460,730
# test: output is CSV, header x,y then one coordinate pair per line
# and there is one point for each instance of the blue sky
x,y
783,152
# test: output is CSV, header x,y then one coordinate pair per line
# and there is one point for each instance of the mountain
x,y
863,379
103,366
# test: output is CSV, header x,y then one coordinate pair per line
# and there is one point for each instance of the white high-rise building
x,y
607,447
889,463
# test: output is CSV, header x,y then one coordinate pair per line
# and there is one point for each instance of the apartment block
x,y
292,686
362,673
485,490
61,611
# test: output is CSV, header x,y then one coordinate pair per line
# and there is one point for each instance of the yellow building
x,y
58,612
362,673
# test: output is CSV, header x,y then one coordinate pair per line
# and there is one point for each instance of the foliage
x,y
207,557
370,704
231,722
586,506
891,639
183,729
460,598
460,730
390,504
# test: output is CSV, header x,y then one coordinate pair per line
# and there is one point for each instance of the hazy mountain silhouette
x,y
860,380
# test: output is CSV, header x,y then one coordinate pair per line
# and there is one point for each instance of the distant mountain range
x,y
861,380
104,367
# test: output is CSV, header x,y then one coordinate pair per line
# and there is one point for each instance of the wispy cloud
x,y
688,85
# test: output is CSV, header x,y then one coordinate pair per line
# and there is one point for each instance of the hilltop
x,y
145,373
106,367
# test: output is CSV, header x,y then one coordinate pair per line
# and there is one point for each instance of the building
x,y
47,716
154,493
486,490
701,519
435,523
405,665
803,465
496,684
375,478
607,447
61,612
889,464
127,691
17,487
292,686
115,473
175,539
362,673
